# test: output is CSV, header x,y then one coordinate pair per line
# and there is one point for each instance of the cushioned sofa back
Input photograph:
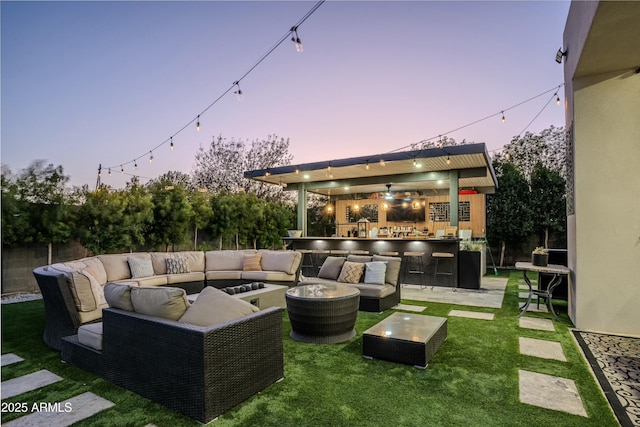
x,y
116,265
226,260
285,261
194,258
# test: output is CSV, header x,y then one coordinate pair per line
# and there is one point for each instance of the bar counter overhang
x,y
397,244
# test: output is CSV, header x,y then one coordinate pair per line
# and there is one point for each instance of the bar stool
x,y
320,255
388,253
307,260
416,258
445,256
359,252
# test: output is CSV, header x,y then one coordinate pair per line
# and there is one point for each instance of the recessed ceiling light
x,y
305,176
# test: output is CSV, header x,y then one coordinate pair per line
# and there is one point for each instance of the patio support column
x,y
302,208
453,198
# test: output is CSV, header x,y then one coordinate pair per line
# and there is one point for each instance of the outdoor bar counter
x,y
398,244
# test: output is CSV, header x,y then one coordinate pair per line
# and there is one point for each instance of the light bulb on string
x,y
135,164
296,39
121,169
367,165
448,160
150,157
558,100
297,170
198,123
171,145
239,94
503,119
382,163
109,171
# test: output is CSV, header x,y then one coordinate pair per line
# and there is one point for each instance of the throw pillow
x,y
118,296
331,267
374,272
351,272
251,262
140,267
160,301
214,306
177,264
393,268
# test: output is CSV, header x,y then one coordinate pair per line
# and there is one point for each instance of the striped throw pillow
x,y
177,264
351,272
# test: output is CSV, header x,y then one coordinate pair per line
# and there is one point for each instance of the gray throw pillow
x,y
118,296
140,267
331,268
214,306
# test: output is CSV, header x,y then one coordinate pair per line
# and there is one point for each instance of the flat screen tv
x,y
402,211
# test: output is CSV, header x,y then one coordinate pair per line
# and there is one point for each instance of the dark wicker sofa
x,y
198,371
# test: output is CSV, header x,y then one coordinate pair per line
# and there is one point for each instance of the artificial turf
x,y
471,381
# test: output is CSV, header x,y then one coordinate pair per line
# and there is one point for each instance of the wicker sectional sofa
x,y
375,295
73,292
199,359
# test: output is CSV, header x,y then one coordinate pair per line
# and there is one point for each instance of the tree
x,y
277,218
548,148
508,211
221,167
172,213
201,212
15,223
548,203
442,141
39,198
138,213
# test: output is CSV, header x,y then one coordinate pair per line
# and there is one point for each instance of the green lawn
x,y
471,381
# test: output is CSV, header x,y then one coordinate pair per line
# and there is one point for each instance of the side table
x,y
556,270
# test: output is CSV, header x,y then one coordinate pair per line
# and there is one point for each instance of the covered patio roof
x,y
418,170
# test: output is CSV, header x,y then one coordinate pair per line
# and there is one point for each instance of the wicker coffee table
x,y
322,313
411,339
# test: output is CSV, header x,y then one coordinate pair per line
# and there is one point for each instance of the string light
x,y
296,39
367,165
382,163
297,170
503,119
557,100
109,171
238,92
448,160
171,145
121,169
135,165
267,173
150,157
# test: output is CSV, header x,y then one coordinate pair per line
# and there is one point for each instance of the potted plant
x,y
469,263
540,256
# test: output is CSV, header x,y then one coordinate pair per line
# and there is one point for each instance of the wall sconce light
x,y
560,54
416,204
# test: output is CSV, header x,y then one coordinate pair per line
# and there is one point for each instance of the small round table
x,y
322,313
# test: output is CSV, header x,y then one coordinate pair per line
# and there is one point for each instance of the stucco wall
x,y
606,225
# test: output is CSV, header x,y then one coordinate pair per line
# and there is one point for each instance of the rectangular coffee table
x,y
269,296
411,339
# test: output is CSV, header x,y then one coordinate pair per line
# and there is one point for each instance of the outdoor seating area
x,y
459,348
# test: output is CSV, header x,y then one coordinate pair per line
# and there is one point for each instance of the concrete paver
x,y
25,383
471,314
547,391
9,359
539,324
542,348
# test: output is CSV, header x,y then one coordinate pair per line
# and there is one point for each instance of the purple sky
x,y
89,83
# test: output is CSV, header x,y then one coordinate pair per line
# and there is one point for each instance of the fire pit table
x,y
322,313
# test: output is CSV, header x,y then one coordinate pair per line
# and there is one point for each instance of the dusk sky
x,y
89,83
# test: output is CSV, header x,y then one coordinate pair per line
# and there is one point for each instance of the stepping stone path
x,y
406,307
546,391
471,314
51,414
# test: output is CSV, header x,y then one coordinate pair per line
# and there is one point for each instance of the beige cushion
x,y
90,316
224,275
285,261
225,260
118,296
393,268
87,293
165,302
145,281
96,269
214,306
197,276
252,262
91,335
267,276
116,265
140,267
331,267
351,272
